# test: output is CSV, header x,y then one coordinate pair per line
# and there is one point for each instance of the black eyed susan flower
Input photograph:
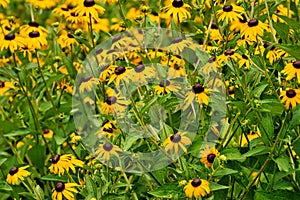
x,y
244,140
108,129
230,13
4,3
227,56
281,10
118,75
5,86
238,25
165,87
290,97
62,163
87,83
43,4
254,28
47,133
215,32
63,10
114,103
106,150
64,191
292,70
244,62
105,72
89,8
198,92
36,40
178,10
231,91
177,45
74,18
273,53
67,40
197,188
177,141
11,42
15,174
208,155
210,66
30,27
140,73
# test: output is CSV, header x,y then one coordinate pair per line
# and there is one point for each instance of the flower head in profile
x,y
208,155
106,150
230,13
62,163
64,191
292,70
197,187
114,103
17,173
273,53
246,138
291,97
47,133
244,62
214,32
87,83
178,10
176,142
165,87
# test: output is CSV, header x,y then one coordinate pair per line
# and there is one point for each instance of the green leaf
x,y
259,90
90,186
261,150
297,147
165,191
54,177
283,185
233,154
215,186
37,155
293,50
4,186
2,161
295,121
283,163
21,131
129,141
292,23
225,171
39,193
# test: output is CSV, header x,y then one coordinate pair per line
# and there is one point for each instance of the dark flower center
x,y
229,52
253,22
10,36
46,131
196,182
176,40
2,84
177,3
139,68
120,70
198,88
13,171
105,122
7,28
164,83
245,56
211,158
109,130
65,9
290,93
60,187
211,59
266,45
214,25
107,146
70,35
227,8
117,38
231,91
111,100
55,159
175,138
296,64
33,24
86,78
34,34
89,3
73,14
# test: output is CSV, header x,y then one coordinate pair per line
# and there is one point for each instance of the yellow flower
x,y
228,55
43,4
178,10
244,140
254,28
62,163
281,10
140,73
290,97
197,188
108,129
89,8
87,83
47,133
208,155
36,40
273,53
4,3
11,42
106,150
292,70
215,32
177,141
198,92
177,45
15,174
5,86
114,103
64,191
239,24
67,40
118,75
230,13
165,87
244,62
30,27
